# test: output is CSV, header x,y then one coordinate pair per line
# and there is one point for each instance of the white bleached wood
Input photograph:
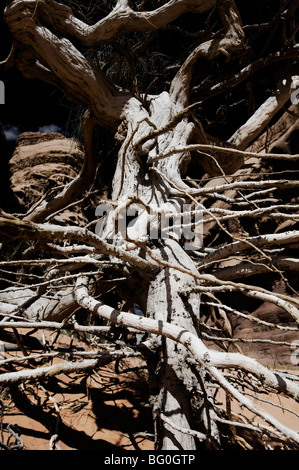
x,y
212,360
277,239
263,115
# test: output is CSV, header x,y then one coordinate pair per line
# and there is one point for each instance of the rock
x,y
40,164
274,349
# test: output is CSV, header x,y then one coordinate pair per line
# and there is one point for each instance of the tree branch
x,y
259,120
278,239
249,291
74,74
15,228
210,359
243,270
231,42
208,90
122,20
10,378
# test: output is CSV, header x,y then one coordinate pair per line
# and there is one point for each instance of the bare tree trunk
x,y
156,135
171,395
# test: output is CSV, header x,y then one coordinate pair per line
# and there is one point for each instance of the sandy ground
x,y
106,411
101,413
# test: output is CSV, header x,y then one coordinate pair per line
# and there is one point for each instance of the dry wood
x,y
157,136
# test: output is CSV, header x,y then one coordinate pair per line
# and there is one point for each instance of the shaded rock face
x,y
278,352
259,338
42,162
273,347
288,142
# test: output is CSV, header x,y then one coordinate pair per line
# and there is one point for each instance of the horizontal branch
x,y
71,249
248,316
257,428
122,20
246,185
210,359
60,326
277,239
199,435
249,291
226,339
271,211
243,270
215,148
15,228
77,260
104,358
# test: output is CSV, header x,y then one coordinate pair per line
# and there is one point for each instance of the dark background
x,y
29,104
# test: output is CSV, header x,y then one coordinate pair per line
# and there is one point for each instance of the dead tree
x,y
162,236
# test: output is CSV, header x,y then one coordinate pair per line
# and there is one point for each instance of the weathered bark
x,y
163,303
212,360
172,382
40,307
244,136
228,44
156,135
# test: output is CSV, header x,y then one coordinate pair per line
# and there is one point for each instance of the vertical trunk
x,y
172,382
172,376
